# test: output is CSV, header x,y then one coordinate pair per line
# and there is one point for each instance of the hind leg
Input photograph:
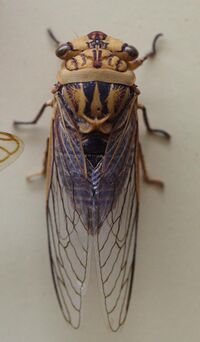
x,y
31,177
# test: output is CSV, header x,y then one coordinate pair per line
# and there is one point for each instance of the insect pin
x,y
92,172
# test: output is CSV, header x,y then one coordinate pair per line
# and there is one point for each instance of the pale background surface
x,y
166,298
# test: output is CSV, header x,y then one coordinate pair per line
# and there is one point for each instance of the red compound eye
x,y
63,49
131,50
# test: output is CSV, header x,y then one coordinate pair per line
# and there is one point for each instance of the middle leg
x,y
148,126
146,177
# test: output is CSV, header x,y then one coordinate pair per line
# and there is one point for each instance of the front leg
x,y
49,103
53,37
33,122
138,62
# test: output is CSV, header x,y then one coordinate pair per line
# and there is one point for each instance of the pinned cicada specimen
x,y
92,172
10,148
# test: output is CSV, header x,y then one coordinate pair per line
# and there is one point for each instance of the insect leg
x,y
135,64
153,51
31,177
146,177
53,37
38,116
147,124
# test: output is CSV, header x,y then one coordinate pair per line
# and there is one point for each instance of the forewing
x,y
116,239
10,148
69,240
69,217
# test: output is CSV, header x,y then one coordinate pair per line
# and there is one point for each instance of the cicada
x,y
10,148
92,172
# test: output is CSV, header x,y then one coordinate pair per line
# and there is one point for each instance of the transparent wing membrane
x,y
10,148
89,205
115,246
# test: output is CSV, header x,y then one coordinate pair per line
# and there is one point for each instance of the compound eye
x,y
63,50
131,51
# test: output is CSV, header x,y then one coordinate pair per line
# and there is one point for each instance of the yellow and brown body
x,y
92,175
97,57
